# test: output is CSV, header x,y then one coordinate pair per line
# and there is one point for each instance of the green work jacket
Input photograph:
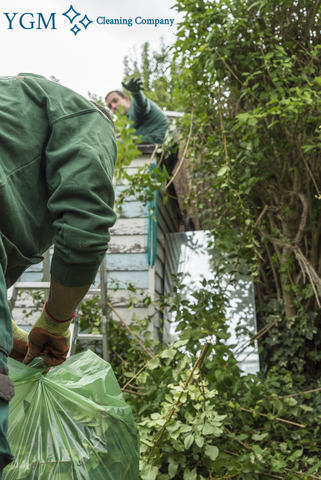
x,y
149,120
57,154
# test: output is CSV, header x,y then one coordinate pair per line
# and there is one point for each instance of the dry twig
x,y
130,330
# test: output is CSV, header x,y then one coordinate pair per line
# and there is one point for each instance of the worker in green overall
x,y
57,154
148,119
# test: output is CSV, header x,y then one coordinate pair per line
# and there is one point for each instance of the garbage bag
x,y
71,423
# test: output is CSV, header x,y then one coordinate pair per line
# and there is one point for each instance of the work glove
x,y
49,337
134,85
20,342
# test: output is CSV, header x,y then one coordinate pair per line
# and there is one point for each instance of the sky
x,y
92,59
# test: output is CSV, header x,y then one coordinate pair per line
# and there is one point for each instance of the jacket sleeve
x,y
142,105
80,157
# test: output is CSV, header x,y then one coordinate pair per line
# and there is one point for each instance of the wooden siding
x,y
127,259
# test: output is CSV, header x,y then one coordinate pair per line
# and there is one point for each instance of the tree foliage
x,y
156,69
250,73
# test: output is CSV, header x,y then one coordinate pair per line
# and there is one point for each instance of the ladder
x,y
75,335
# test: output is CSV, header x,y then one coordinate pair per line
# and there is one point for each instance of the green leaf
x,y
314,469
168,353
210,429
199,441
259,436
172,468
148,472
154,363
188,441
295,455
223,170
190,474
212,452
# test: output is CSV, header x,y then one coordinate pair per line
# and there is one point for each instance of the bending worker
x,y
57,153
149,120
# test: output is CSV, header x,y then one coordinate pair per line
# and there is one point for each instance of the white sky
x,y
92,60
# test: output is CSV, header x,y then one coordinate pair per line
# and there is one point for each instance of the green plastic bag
x,y
71,423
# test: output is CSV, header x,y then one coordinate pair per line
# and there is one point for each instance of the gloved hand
x,y
20,342
134,85
50,337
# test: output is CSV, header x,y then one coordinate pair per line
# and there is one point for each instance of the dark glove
x,y
50,337
134,85
20,345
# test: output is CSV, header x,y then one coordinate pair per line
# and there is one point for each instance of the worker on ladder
x,y
57,153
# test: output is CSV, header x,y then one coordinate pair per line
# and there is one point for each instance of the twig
x,y
226,477
303,219
272,476
239,441
135,376
304,473
222,126
154,153
119,356
310,173
228,67
276,280
177,169
130,330
258,220
257,336
134,393
196,365
299,425
309,271
161,159
306,267
296,394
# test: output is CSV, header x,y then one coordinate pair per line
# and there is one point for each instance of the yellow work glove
x,y
20,342
49,337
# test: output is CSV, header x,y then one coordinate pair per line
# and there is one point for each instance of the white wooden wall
x,y
127,259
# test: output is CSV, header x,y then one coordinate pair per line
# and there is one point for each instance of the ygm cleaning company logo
x,y
72,14
75,21
41,21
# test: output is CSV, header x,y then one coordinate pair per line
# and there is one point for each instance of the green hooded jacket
x,y
149,120
57,154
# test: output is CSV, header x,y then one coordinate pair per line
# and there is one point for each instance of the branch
x,y
258,221
196,365
303,219
306,267
129,330
257,336
179,166
134,393
310,173
299,425
296,394
154,153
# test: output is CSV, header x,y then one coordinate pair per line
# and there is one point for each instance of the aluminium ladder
x,y
75,334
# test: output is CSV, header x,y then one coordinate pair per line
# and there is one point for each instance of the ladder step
x,y
45,285
89,336
31,285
